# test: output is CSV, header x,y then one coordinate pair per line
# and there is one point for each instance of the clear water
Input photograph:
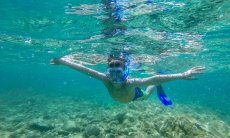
x,y
163,35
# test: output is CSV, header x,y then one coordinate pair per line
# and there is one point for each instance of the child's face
x,y
115,70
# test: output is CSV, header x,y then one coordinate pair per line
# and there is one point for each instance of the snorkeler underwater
x,y
126,90
139,69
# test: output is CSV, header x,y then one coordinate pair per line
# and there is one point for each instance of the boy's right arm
x,y
80,68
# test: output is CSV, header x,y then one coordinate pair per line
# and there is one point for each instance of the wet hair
x,y
116,59
118,55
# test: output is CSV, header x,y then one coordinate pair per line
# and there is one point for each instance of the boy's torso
x,y
123,93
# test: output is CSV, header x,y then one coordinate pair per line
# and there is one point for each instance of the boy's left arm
x,y
158,79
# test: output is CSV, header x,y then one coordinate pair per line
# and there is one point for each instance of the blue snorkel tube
x,y
118,10
127,65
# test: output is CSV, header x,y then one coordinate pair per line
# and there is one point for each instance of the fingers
x,y
194,71
198,69
197,72
54,61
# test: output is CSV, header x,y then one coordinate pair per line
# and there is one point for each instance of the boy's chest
x,y
124,94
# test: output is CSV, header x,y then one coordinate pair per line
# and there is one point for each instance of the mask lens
x,y
117,64
115,72
111,65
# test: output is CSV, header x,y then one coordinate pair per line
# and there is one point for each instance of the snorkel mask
x,y
117,71
115,75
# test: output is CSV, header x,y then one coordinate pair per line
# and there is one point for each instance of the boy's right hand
x,y
55,61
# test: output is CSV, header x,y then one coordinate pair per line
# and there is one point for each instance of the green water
x,y
164,35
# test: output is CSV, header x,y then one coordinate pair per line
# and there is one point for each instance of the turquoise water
x,y
162,35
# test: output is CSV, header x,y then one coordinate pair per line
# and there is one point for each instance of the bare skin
x,y
125,92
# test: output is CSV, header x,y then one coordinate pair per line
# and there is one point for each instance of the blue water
x,y
162,35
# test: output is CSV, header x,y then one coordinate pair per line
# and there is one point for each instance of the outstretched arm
x,y
158,79
80,68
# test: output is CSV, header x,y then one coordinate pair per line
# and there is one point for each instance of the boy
x,y
122,88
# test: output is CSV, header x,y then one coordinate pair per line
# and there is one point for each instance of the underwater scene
x,y
72,100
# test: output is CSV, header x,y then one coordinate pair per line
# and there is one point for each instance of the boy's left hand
x,y
189,75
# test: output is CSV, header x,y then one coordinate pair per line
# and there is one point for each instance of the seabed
x,y
43,116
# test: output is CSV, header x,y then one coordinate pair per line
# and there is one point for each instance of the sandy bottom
x,y
41,116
